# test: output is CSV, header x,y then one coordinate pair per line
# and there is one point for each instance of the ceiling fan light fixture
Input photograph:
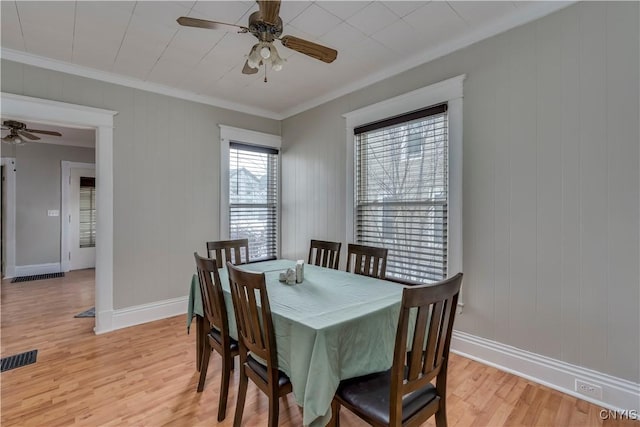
x,y
265,52
254,58
12,139
276,61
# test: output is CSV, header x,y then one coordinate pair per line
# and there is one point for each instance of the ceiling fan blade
x,y
269,10
314,50
185,21
28,135
248,70
44,132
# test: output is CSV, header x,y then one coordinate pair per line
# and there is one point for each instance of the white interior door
x,y
82,249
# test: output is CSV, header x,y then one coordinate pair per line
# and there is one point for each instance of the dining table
x,y
333,326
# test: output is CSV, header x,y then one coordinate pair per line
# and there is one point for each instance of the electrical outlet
x,y
588,389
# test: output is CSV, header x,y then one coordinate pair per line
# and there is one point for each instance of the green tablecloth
x,y
333,326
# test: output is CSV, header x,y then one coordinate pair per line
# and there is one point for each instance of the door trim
x,y
9,232
20,107
65,245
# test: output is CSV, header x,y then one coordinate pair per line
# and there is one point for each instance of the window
x,y
87,212
250,202
401,192
405,180
253,198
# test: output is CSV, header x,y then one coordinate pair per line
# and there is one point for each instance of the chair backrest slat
x,y
327,254
234,251
367,260
426,322
212,295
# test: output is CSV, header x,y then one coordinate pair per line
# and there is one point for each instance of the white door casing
x,y
26,108
79,257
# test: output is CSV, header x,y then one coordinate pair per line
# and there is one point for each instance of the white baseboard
x,y
617,393
144,313
33,269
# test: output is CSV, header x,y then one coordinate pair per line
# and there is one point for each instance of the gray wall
x,y
166,158
38,172
551,183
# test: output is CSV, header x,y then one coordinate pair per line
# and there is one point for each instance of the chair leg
x,y
227,362
204,365
335,414
274,408
242,394
441,415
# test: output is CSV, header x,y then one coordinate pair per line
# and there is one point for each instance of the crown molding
x,y
523,15
92,73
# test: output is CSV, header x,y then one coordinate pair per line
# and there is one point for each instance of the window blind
x,y
87,212
253,198
401,192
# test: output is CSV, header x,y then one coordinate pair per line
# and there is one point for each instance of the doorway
x,y
81,217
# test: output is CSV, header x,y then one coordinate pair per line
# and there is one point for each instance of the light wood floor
x,y
145,375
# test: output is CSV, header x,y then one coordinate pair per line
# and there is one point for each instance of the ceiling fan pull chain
x,y
265,73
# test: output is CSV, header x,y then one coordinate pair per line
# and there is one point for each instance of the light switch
x,y
53,212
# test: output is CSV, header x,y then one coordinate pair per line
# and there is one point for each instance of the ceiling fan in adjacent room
x,y
19,133
266,26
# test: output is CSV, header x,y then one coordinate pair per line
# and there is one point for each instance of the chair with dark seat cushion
x,y
256,335
405,395
217,338
367,260
234,251
327,254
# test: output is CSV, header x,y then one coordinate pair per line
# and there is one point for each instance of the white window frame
x,y
230,134
447,91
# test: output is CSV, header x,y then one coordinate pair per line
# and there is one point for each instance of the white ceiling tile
x,y
289,9
342,35
100,26
40,36
343,9
229,12
97,56
373,18
204,74
401,38
168,72
436,22
403,8
370,54
190,45
133,63
11,31
316,21
232,48
480,12
161,13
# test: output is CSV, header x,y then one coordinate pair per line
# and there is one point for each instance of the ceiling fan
x,y
266,26
18,132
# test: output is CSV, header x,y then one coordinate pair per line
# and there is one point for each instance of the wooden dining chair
x,y
234,251
404,395
217,338
257,342
367,260
325,254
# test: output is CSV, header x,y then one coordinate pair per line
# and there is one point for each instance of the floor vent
x,y
87,313
36,277
18,360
